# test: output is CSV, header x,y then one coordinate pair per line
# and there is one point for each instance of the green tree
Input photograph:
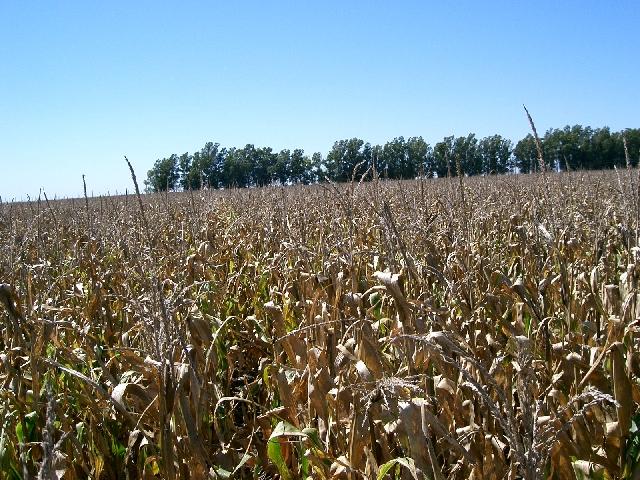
x,y
237,168
317,169
299,166
280,171
569,146
211,165
164,175
632,135
442,158
262,161
418,157
392,158
495,152
347,159
186,171
465,149
525,155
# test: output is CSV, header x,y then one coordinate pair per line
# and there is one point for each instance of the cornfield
x,y
481,328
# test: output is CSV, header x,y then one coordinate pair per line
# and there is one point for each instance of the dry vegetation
x,y
484,328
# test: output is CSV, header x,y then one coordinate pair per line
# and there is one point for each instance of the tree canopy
x,y
572,147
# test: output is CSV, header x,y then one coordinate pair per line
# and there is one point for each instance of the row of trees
x,y
579,148
214,166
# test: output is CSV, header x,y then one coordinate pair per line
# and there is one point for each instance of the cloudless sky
x,y
83,83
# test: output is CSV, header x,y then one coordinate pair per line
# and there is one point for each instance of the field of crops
x,y
483,328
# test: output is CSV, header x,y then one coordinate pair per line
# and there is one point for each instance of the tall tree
x,y
418,157
317,168
164,175
525,155
442,157
211,166
632,135
495,152
393,158
280,171
186,170
569,146
262,161
465,150
298,166
237,168
348,159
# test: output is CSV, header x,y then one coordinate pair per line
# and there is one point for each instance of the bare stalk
x,y
543,168
135,183
86,200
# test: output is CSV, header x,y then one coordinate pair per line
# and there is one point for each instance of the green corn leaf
x,y
274,452
406,462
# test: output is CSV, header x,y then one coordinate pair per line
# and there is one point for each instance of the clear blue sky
x,y
84,83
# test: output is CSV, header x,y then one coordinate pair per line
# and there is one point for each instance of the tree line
x,y
569,148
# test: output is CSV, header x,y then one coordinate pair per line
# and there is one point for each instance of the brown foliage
x,y
481,329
